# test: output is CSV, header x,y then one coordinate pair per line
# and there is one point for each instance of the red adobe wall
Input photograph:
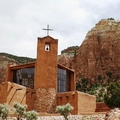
x,y
101,107
45,78
11,92
81,102
68,97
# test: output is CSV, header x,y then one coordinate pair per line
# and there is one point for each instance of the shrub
x,y
99,91
31,115
4,111
64,110
19,110
110,18
112,96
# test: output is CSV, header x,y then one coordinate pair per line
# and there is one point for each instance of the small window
x,y
47,47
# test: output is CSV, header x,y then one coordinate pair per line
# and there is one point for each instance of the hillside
x,y
18,59
6,59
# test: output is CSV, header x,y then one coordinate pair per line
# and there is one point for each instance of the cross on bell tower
x,y
48,29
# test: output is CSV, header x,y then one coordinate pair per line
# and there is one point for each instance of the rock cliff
x,y
100,52
67,56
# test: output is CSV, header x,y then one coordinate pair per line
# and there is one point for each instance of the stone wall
x,y
45,100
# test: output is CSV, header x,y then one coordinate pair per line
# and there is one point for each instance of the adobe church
x,y
44,84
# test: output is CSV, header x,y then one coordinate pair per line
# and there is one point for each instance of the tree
x,y
100,79
109,74
112,96
82,85
110,18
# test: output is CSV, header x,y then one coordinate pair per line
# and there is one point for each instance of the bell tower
x,y
45,79
46,63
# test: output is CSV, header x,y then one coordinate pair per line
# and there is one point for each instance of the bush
x,y
99,91
112,96
31,115
64,110
4,111
19,110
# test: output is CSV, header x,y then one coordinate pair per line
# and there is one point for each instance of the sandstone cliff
x,y
100,52
68,55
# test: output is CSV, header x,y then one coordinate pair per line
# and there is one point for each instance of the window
x,y
63,81
24,77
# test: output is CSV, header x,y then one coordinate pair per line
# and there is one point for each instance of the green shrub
x,y
19,110
112,96
4,111
64,110
31,115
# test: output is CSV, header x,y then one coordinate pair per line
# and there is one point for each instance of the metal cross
x,y
48,29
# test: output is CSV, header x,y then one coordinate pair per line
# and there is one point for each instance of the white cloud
x,y
21,22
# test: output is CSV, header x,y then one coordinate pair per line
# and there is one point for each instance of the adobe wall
x,y
82,102
45,78
11,92
68,97
86,103
101,107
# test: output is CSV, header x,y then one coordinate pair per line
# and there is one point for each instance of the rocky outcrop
x,y
68,55
70,51
65,60
99,52
4,61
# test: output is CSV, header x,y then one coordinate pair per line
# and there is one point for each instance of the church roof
x,y
32,64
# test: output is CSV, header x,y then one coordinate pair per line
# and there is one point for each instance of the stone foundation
x,y
45,100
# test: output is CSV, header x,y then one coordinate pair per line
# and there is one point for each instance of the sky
x,y
22,22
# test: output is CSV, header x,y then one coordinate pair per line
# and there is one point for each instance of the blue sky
x,y
22,21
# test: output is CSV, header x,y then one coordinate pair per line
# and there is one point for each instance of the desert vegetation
x,y
19,111
108,92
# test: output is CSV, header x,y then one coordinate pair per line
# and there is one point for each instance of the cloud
x,y
21,22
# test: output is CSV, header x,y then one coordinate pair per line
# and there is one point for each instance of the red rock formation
x,y
100,51
67,56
